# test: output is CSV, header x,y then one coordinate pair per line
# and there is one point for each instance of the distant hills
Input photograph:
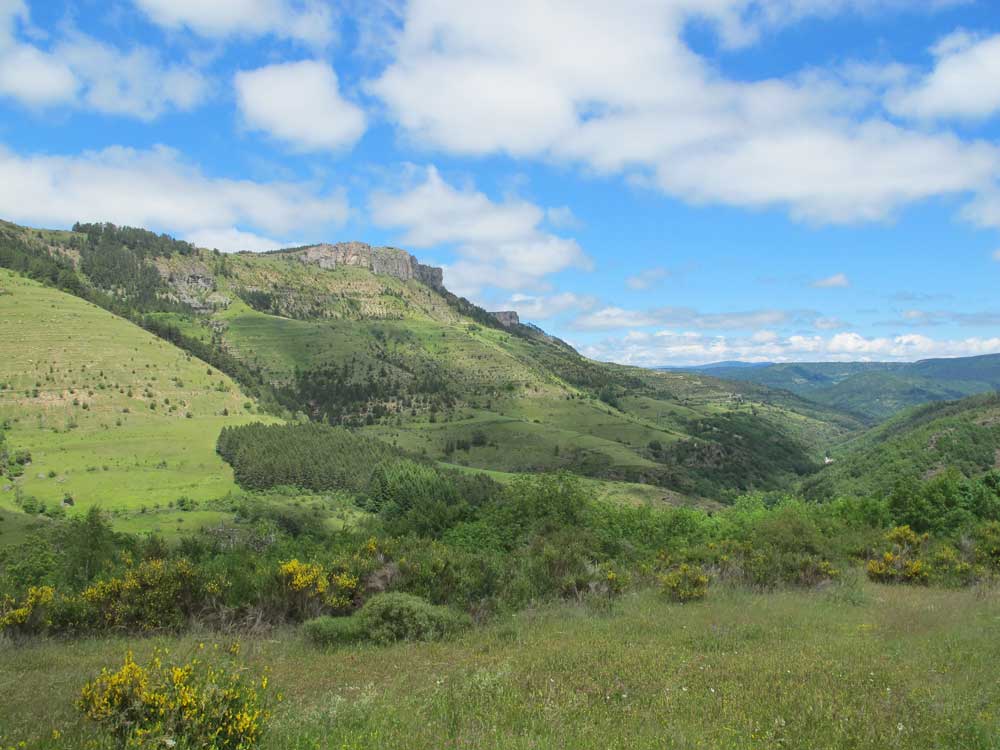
x,y
872,391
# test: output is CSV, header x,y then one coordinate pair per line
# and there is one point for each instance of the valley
x,y
322,463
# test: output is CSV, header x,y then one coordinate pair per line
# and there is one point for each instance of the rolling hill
x,y
873,391
916,445
370,339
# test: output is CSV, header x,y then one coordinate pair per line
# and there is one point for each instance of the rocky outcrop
x,y
507,318
387,261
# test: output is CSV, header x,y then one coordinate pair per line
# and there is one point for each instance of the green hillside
x,y
875,391
410,363
109,413
916,445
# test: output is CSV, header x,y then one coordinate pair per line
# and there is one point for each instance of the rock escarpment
x,y
507,318
387,261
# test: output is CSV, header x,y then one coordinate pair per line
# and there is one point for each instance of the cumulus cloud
x,y
544,307
964,83
499,244
475,80
232,240
837,281
299,103
154,188
669,347
307,21
83,72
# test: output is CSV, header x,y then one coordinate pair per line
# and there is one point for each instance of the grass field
x,y
861,667
111,414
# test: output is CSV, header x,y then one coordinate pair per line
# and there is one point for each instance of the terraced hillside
x,y
109,413
376,344
916,445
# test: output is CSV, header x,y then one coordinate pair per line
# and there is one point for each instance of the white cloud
x,y
837,281
544,307
299,103
647,279
232,240
498,244
155,189
34,77
677,348
550,79
965,81
611,318
996,255
135,83
83,72
308,21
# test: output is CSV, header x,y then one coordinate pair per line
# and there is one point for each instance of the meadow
x,y
856,665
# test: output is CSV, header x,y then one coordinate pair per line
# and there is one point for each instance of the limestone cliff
x,y
387,261
507,318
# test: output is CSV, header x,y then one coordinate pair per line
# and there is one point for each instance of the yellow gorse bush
x,y
152,595
196,704
15,615
314,588
685,583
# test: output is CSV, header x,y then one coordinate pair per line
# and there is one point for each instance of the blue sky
x,y
656,181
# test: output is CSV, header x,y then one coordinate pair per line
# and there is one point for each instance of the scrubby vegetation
x,y
496,548
204,702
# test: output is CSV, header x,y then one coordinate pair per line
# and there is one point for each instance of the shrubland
x,y
484,548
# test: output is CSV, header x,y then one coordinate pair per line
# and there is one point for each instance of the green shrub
x,y
394,616
685,583
333,631
902,563
988,545
204,703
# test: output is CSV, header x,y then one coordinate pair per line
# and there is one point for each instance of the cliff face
x,y
507,318
387,261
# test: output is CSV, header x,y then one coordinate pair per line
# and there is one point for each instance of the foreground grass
x,y
862,667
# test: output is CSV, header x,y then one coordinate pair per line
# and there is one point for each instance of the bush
x,y
198,704
902,563
988,545
395,616
685,583
153,595
311,588
29,615
333,631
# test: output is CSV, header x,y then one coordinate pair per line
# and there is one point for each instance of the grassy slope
x,y
921,442
528,394
70,350
898,668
